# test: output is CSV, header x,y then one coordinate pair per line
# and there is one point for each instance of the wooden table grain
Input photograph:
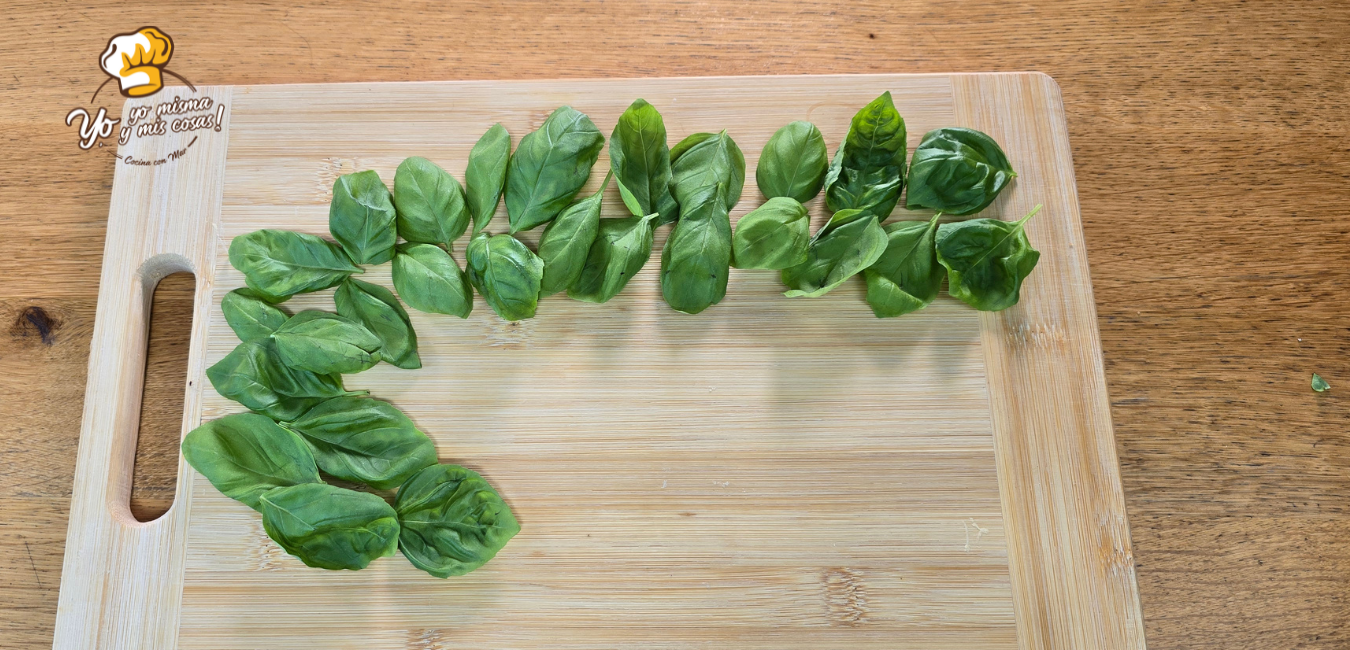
x,y
1212,149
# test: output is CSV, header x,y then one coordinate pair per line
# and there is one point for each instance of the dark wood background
x,y
1212,148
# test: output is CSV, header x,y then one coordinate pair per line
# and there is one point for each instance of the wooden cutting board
x,y
771,473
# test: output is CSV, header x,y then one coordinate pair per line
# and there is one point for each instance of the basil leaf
x,y
250,316
957,171
280,263
329,527
773,236
706,179
429,203
377,308
697,258
566,241
986,260
639,157
429,280
451,521
1319,385
907,275
622,247
486,174
244,455
326,343
708,164
688,143
868,170
253,375
793,163
506,274
550,166
361,217
365,440
851,242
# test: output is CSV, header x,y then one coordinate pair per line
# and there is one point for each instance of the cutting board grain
x,y
771,473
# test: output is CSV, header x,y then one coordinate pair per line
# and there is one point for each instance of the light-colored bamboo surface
x,y
771,473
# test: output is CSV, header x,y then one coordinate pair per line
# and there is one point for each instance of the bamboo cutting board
x,y
771,473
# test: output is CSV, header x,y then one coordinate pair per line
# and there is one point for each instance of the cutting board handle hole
x,y
154,472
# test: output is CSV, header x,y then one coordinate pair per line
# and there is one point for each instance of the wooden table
x,y
1213,167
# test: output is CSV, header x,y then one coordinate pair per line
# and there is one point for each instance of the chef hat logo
x,y
137,60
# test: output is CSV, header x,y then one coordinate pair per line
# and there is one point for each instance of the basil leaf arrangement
x,y
639,157
486,175
957,171
288,370
869,168
707,173
447,520
793,163
549,167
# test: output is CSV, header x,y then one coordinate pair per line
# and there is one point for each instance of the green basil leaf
x,y
506,273
706,178
245,455
622,247
840,218
696,259
329,527
868,171
773,236
253,375
1319,385
566,241
365,440
326,343
361,217
639,157
250,316
986,260
838,253
429,280
688,143
451,521
377,308
550,166
429,203
630,201
486,174
793,163
907,275
280,263
957,171
711,166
